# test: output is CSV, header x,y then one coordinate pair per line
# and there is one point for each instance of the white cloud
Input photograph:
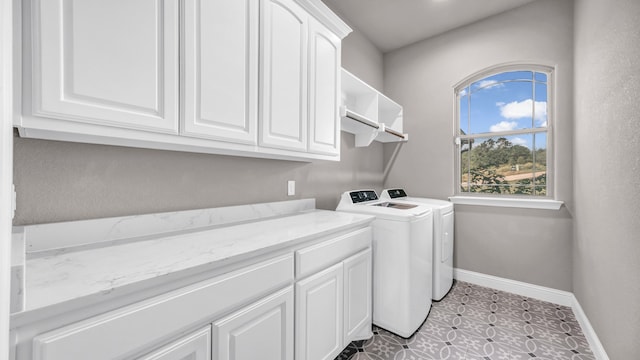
x,y
524,109
488,84
463,92
503,126
518,141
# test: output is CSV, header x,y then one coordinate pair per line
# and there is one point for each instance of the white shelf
x,y
390,112
369,114
362,120
387,134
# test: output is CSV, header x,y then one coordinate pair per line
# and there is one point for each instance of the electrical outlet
x,y
291,187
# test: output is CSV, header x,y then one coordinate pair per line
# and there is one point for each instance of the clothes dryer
x,y
402,256
443,237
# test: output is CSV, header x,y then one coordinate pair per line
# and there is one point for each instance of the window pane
x,y
542,77
483,110
503,165
503,107
541,105
540,175
464,113
505,76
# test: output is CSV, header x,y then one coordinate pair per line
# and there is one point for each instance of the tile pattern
x,y
474,322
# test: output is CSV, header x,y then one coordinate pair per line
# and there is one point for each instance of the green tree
x,y
541,157
519,154
484,180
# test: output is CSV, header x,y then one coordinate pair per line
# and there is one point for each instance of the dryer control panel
x,y
363,195
397,193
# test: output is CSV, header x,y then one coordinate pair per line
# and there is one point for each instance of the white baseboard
x,y
589,332
555,296
559,297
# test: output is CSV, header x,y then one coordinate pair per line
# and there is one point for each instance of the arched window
x,y
503,125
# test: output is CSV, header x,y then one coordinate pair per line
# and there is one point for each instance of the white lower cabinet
x,y
333,305
196,346
263,330
144,326
304,304
357,297
319,320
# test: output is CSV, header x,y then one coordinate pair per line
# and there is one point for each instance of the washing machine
x,y
402,256
442,238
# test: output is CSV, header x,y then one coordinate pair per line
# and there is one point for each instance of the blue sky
x,y
506,101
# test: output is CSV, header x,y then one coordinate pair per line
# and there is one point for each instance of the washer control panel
x,y
363,195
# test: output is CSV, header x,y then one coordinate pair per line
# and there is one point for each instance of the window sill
x,y
546,204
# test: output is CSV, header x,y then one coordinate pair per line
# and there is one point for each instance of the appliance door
x,y
421,263
447,236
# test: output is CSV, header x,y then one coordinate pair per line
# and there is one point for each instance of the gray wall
x,y
526,245
360,56
363,59
59,181
606,170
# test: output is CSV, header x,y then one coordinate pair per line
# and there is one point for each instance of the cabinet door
x,y
324,90
220,80
263,330
106,62
357,297
319,302
196,346
283,99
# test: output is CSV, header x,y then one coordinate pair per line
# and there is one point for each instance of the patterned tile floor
x,y
474,322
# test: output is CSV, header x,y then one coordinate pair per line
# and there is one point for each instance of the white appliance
x,y
402,255
442,237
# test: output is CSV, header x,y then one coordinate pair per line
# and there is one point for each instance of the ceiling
x,y
391,24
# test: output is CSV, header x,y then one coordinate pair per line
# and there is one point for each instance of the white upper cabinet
x,y
106,62
324,90
284,75
220,57
256,78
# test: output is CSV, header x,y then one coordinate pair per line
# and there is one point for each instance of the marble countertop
x,y
63,276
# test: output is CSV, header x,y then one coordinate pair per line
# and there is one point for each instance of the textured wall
x,y
361,57
526,245
60,181
606,171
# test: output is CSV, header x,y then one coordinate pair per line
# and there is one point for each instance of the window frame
x,y
493,198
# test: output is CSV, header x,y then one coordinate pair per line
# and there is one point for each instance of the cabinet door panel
x,y
357,296
284,75
319,322
107,62
263,330
324,85
196,346
221,69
